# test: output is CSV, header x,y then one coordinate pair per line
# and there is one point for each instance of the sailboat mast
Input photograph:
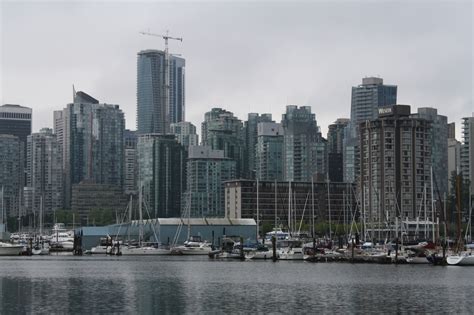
x,y
140,215
432,208
130,211
329,209
258,212
289,208
312,207
3,218
276,207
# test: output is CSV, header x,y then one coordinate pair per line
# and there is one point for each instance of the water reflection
x,y
182,285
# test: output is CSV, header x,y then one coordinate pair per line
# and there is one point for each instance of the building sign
x,y
385,111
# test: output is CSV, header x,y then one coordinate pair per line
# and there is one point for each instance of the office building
x,y
43,173
221,130
270,152
338,203
16,120
395,165
439,147
305,149
207,170
161,176
467,152
452,130
251,136
159,103
335,138
185,133
93,143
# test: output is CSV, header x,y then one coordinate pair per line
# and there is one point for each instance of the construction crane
x,y
165,37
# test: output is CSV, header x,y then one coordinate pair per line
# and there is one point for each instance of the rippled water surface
x,y
61,284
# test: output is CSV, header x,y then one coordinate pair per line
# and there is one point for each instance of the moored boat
x,y
8,249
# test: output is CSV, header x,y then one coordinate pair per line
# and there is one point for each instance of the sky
x,y
253,56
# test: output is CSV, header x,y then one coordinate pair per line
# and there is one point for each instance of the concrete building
x,y
207,170
305,149
395,165
221,130
161,165
43,173
439,146
130,163
452,130
93,143
11,175
337,203
185,133
467,151
365,100
95,203
336,132
251,137
269,153
159,103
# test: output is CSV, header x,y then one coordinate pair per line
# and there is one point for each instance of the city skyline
x,y
242,68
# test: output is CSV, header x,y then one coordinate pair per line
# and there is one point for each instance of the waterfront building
x,y
269,153
337,203
365,100
130,163
93,143
11,174
439,147
395,165
185,133
305,149
206,171
221,130
159,103
43,173
95,203
335,138
251,137
467,152
161,176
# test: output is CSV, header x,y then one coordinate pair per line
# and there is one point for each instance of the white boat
x,y
8,249
40,248
193,248
261,253
462,259
142,250
62,238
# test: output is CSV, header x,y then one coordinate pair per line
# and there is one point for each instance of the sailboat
x,y
142,248
41,246
461,258
7,249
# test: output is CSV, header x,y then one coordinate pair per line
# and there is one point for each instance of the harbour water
x,y
174,284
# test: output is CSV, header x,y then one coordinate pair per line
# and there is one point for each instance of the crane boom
x,y
165,37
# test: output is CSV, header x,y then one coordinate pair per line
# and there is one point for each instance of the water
x,y
61,284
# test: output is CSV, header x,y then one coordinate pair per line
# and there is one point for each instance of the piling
x,y
274,248
352,249
242,257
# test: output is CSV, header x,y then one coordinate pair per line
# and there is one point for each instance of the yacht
x,y
8,249
290,249
194,246
62,238
144,249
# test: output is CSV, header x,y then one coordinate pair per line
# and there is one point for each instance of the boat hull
x,y
141,251
10,250
460,260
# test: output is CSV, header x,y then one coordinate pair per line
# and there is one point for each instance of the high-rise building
x,y
206,172
452,130
454,160
43,173
221,130
335,139
93,143
15,120
185,133
159,103
130,162
365,101
251,135
270,152
305,149
467,152
161,176
395,165
11,174
439,147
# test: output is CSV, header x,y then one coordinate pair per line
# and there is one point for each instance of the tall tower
x,y
251,136
159,105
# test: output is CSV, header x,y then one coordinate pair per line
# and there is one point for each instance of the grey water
x,y
173,284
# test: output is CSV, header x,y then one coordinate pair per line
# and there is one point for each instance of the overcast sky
x,y
244,57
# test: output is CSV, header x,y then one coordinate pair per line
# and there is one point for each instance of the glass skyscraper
x,y
159,104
